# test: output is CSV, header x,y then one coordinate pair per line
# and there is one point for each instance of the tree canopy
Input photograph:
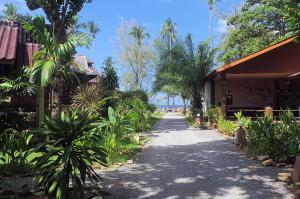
x,y
258,24
59,13
293,17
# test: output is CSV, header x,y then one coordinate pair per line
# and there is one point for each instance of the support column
x,y
213,98
223,95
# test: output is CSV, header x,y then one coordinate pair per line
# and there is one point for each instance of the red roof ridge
x,y
253,55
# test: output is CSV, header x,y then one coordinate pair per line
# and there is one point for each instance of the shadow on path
x,y
181,163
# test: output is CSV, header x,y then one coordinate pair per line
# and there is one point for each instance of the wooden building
x,y
270,77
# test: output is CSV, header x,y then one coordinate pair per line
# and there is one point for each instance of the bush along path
x,y
184,163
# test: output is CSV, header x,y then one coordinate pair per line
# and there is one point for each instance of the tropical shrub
x,y
140,113
214,114
115,129
287,133
68,154
261,136
90,97
135,94
15,150
242,120
227,126
279,140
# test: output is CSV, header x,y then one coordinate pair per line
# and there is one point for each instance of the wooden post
x,y
223,95
296,172
213,98
269,112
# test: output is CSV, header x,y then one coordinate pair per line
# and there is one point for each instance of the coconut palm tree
x,y
10,12
139,34
93,29
169,32
211,5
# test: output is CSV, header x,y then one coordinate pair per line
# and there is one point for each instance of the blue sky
x,y
190,16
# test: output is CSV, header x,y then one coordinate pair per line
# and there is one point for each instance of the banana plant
x,y
52,62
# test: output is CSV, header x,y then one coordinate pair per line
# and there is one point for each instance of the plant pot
x,y
240,138
215,126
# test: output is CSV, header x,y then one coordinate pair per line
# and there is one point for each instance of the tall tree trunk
x,y
184,105
174,103
94,54
168,102
210,28
41,105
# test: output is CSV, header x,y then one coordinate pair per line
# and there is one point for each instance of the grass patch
x,y
155,117
128,150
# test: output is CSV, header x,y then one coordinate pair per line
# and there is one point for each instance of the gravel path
x,y
183,163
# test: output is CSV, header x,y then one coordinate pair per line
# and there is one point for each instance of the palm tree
x,y
93,29
50,66
211,4
139,34
186,71
10,12
169,31
110,78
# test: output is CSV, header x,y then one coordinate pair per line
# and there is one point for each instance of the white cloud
x,y
222,26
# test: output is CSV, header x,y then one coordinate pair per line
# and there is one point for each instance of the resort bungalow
x,y
268,78
17,49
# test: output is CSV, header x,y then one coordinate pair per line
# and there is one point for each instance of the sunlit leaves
x,y
48,61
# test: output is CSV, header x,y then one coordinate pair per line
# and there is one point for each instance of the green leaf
x,y
47,72
112,115
53,186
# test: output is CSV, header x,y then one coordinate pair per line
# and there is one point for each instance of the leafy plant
x,y
227,126
115,129
67,153
279,140
287,137
242,120
14,151
214,114
137,108
90,97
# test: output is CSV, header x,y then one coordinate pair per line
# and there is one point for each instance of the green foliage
x,y
109,76
227,126
293,17
116,128
90,97
261,135
20,85
185,69
60,14
242,120
15,149
214,114
127,95
68,153
257,25
51,61
10,13
279,140
139,110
